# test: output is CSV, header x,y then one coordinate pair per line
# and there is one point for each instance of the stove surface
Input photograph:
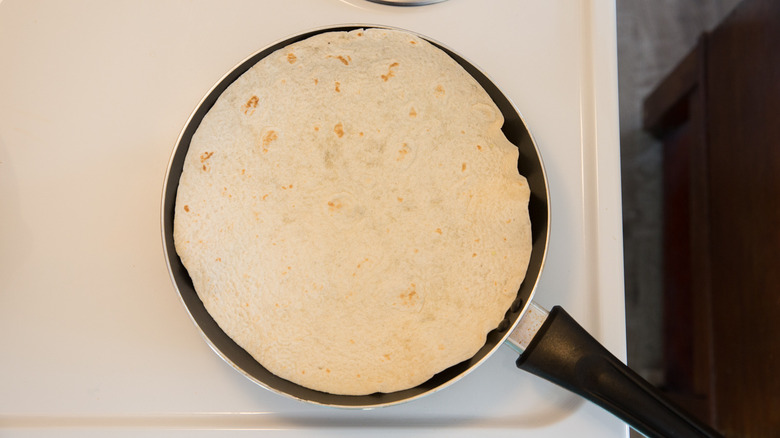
x,y
93,334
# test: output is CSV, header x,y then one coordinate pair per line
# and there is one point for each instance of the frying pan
x,y
552,345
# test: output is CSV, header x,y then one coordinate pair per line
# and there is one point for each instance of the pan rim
x,y
513,315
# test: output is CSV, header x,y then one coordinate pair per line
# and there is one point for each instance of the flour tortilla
x,y
351,214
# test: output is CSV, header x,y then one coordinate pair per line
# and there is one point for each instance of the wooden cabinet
x,y
718,116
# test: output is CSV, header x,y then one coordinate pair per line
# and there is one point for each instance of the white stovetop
x,y
93,337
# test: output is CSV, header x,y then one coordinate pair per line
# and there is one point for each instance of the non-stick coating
x,y
529,165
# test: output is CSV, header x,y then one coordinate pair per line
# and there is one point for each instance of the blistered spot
x,y
337,87
439,90
412,112
250,105
203,160
291,58
339,129
486,111
403,152
409,297
268,138
343,60
390,72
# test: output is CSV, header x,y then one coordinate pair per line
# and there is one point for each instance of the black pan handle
x,y
567,355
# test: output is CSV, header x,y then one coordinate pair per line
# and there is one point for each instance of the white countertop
x,y
93,95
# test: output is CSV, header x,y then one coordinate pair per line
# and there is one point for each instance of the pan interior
x,y
529,164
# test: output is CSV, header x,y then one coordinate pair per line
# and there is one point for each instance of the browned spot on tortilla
x,y
463,167
390,72
479,147
316,81
218,259
316,128
438,230
400,199
268,138
439,90
343,60
403,152
409,297
412,112
334,206
203,158
243,171
186,208
250,105
338,84
474,254
412,42
265,196
291,58
339,129
386,356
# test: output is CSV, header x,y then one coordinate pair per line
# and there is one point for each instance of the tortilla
x,y
351,214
